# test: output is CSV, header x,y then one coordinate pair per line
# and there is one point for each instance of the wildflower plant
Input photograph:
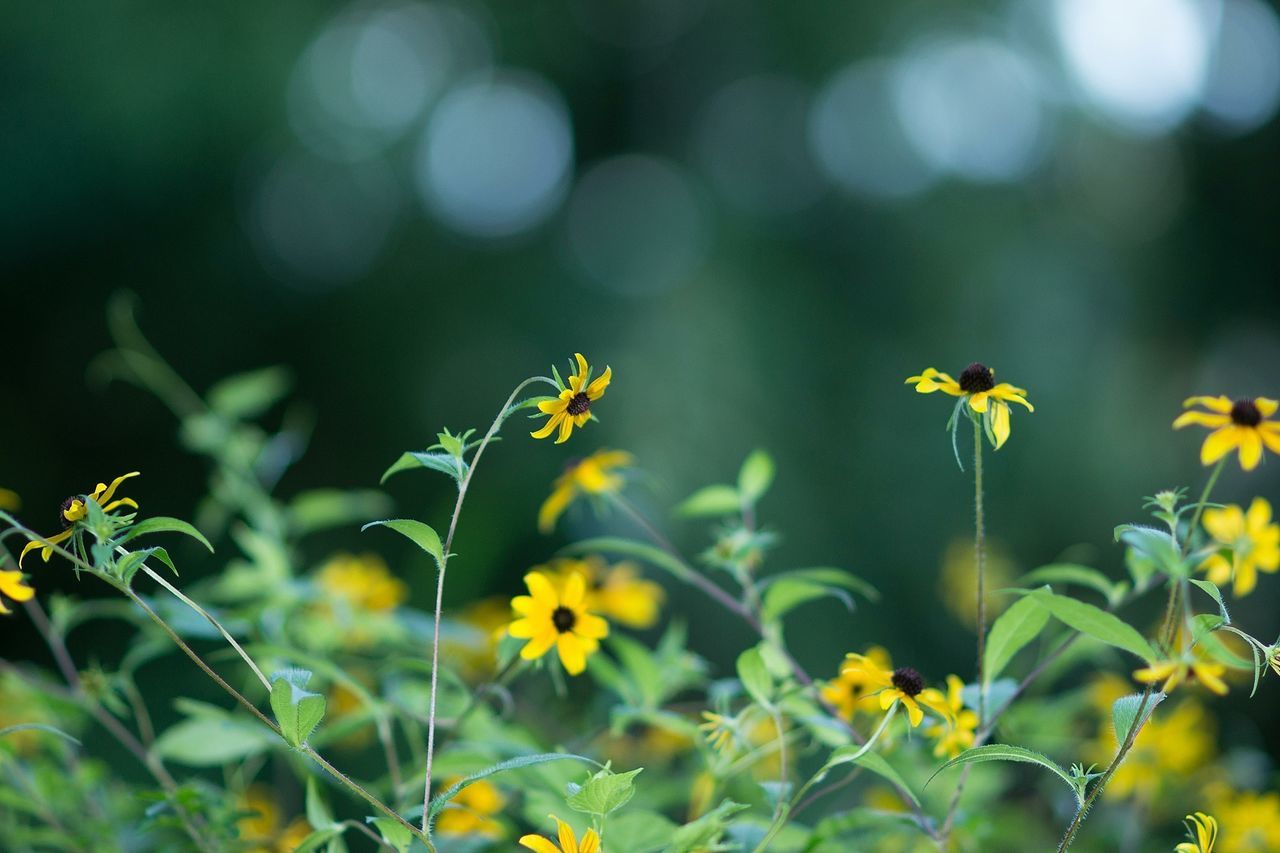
x,y
570,713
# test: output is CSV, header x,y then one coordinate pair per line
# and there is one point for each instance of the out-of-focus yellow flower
x,y
550,618
1243,425
597,474
573,406
883,798
1171,747
618,592
475,650
1250,821
13,586
703,790
1254,542
362,581
853,690
344,703
719,730
472,810
19,704
904,685
977,384
954,737
1202,829
959,578
9,500
75,509
568,841
644,743
262,829
1173,672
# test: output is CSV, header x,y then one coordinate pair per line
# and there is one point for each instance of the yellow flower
x,y
595,475
1176,670
75,509
853,691
959,578
9,500
978,385
556,619
955,737
1170,749
362,581
1202,829
262,828
1250,822
13,586
573,406
719,730
618,592
568,842
1254,542
1243,424
471,811
903,685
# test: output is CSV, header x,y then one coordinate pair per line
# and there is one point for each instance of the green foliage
x,y
420,534
1007,752
298,710
605,792
1095,622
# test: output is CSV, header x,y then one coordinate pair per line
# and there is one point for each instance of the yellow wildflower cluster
x,y
362,582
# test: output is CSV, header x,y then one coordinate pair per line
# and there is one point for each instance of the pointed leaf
x,y
711,501
1017,626
1096,623
756,476
1006,752
422,535
163,524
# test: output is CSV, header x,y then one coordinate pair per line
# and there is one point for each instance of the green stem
x,y
980,563
1204,499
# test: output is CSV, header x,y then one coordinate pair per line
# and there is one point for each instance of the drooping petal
x,y
1219,444
1204,419
572,653
1209,674
1246,578
566,429
978,402
1250,448
914,714
555,505
1213,404
102,495
44,544
1217,568
549,427
1000,422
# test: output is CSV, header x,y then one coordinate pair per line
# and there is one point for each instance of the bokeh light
x,y
497,155
1243,88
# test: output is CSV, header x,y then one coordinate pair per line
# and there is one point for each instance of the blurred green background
x,y
764,216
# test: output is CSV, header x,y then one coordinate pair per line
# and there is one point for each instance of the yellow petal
x,y
539,645
1213,404
590,842
596,389
1259,516
1202,418
555,505
572,653
1266,406
566,429
544,594
1219,444
590,625
45,544
559,404
547,428
11,584
1250,448
1000,422
578,379
523,629
1225,524
914,714
978,402
1209,674
575,587
538,844
105,496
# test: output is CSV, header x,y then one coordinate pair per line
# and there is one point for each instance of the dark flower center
x,y
976,378
1245,413
908,681
564,619
62,512
578,404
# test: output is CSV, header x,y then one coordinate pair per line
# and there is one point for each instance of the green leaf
x,y
393,833
297,710
755,677
711,501
1124,711
38,727
629,547
1071,573
874,762
318,814
319,837
643,830
827,576
1017,626
422,535
439,801
786,595
1211,589
321,509
442,462
705,832
1154,544
247,395
213,740
1096,623
164,524
604,792
755,476
1006,752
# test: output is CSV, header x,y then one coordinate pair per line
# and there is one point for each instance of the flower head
x,y
853,690
549,618
904,685
75,509
720,730
1254,542
14,587
568,841
1174,671
954,737
472,810
1202,829
978,386
1243,425
595,475
573,406
619,592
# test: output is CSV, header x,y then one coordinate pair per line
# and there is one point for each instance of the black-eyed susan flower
x,y
1243,425
1202,829
550,618
853,691
75,509
598,474
954,737
1252,539
13,587
977,385
1174,671
904,685
569,842
472,810
618,592
573,406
